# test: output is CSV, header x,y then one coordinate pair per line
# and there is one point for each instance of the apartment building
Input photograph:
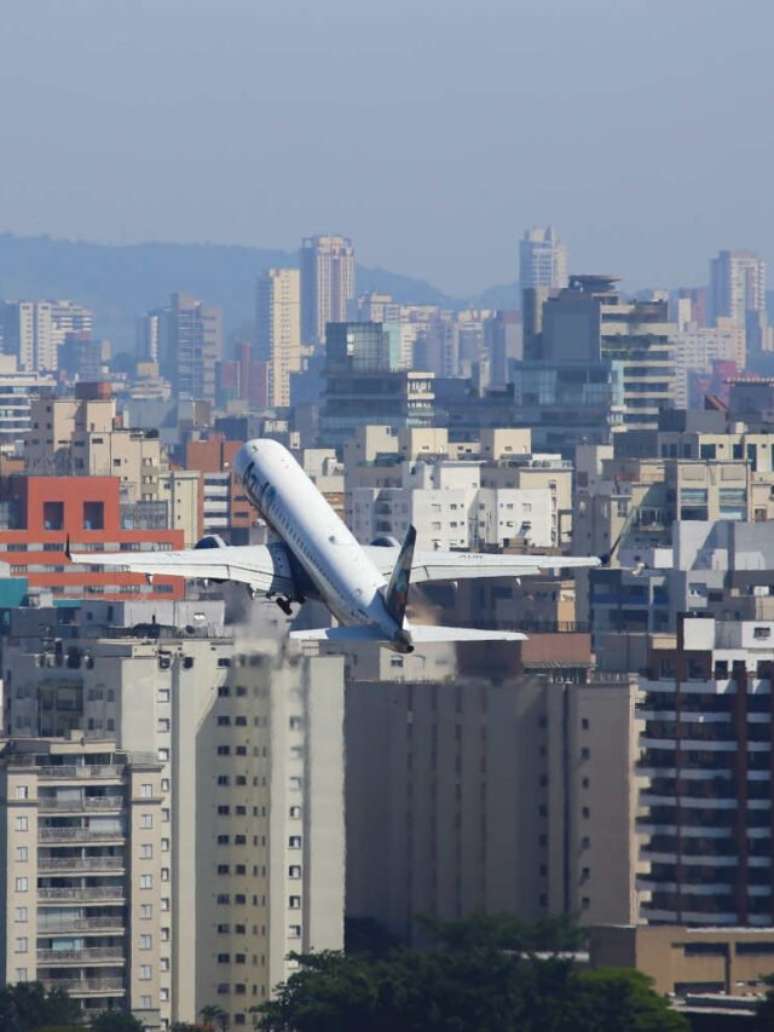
x,y
509,789
706,750
19,390
81,849
271,865
327,284
247,794
450,508
34,331
278,330
223,506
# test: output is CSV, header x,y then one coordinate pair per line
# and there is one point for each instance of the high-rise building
x,y
187,335
542,259
173,821
34,331
707,751
511,791
278,330
327,284
589,324
737,285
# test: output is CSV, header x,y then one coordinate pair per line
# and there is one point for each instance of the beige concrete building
x,y
54,423
180,489
367,443
278,330
81,849
271,865
247,789
34,331
732,961
84,437
505,793
327,284
697,347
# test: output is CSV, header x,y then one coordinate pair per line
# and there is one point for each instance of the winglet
x,y
397,590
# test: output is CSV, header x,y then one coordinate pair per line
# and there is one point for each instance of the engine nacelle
x,y
385,541
210,541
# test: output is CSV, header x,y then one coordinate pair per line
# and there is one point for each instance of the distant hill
x,y
120,282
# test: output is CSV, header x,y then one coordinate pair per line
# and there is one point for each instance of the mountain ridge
x,y
121,282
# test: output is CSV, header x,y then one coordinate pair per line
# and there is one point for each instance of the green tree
x,y
482,975
610,999
213,1017
27,1006
116,1021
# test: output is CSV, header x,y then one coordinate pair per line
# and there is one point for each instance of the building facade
x,y
327,284
278,330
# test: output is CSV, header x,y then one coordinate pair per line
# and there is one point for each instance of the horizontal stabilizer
x,y
426,635
339,634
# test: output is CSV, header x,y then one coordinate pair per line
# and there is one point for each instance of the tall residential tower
x,y
327,284
542,259
278,330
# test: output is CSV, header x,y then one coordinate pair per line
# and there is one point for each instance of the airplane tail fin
x,y
396,596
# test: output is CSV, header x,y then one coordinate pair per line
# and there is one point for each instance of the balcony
x,y
77,987
93,955
80,805
79,863
98,925
71,835
92,893
67,772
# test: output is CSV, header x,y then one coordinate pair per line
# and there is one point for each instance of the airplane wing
x,y
259,566
440,566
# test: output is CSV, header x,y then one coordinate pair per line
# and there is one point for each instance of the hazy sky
x,y
431,131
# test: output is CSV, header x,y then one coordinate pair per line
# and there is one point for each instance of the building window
x,y
22,792
146,911
146,791
21,945
294,871
22,824
146,820
294,902
22,884
146,1002
22,854
145,972
21,915
146,851
53,515
93,516
294,842
146,881
294,931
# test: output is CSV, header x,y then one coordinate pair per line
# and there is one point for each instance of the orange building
x,y
39,514
223,506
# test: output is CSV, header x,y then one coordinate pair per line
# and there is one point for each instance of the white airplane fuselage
x,y
341,573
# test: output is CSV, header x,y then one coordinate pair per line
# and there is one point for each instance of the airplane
x,y
314,555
